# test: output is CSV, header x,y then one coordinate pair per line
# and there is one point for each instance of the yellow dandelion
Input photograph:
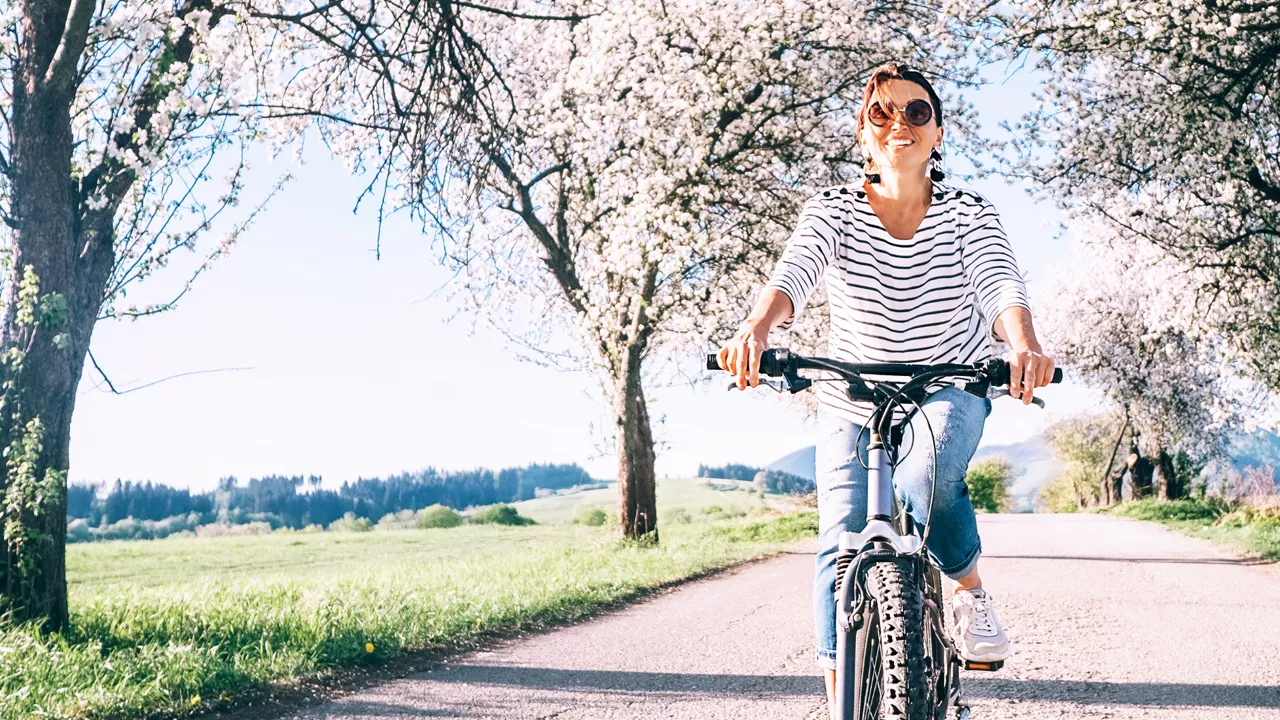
x,y
368,647
195,700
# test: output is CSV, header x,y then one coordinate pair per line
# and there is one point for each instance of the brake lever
x,y
1000,392
777,385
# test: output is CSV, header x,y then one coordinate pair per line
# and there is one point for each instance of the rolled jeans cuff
x,y
967,566
826,659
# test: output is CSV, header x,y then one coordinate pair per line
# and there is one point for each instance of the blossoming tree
x,y
655,162
116,116
1123,316
1162,121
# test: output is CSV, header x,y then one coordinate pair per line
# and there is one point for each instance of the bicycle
x,y
894,657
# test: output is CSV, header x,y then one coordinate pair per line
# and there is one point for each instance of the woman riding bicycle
x,y
917,272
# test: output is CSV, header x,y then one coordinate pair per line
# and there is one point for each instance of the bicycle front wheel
x,y
889,679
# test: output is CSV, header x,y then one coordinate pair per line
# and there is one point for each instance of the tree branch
x,y
1257,182
114,391
62,68
519,15
112,173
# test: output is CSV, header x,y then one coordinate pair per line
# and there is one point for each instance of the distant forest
x,y
298,501
774,481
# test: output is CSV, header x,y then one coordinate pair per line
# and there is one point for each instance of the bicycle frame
x,y
881,540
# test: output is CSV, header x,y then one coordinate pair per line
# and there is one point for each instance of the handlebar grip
x,y
772,362
998,373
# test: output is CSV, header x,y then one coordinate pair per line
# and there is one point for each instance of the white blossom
x,y
1153,126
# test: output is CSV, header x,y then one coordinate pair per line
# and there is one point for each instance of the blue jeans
x,y
957,418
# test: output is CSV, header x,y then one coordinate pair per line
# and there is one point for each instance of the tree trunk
x,y
58,274
1109,488
637,483
1166,480
1140,470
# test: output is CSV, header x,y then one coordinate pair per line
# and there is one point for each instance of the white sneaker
x,y
978,633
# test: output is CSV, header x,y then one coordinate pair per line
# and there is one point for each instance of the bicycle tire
x,y
889,648
940,667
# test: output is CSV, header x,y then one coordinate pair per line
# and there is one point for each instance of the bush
x,y
717,512
676,516
402,520
1209,509
988,480
593,517
350,523
783,483
219,530
78,531
130,529
501,514
307,530
438,516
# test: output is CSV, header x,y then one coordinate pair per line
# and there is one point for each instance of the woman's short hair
x,y
897,71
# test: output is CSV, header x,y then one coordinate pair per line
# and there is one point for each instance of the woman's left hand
x,y
1029,368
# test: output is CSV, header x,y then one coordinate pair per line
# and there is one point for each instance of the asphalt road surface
x,y
1110,618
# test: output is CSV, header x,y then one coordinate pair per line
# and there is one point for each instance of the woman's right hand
x,y
741,355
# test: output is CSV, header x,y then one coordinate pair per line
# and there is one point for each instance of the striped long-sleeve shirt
x,y
930,299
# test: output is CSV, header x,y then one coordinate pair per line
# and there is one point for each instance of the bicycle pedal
x,y
991,666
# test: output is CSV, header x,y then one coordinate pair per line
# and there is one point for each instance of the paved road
x,y
1111,619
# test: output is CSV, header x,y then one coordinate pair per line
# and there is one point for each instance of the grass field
x,y
691,495
168,627
1240,527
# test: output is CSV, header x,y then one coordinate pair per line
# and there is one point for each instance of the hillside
x,y
691,495
1033,458
801,463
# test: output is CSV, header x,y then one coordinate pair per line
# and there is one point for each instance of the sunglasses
x,y
917,112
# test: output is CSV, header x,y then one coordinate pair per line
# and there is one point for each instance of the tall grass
x,y
146,648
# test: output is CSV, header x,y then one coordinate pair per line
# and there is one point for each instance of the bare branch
x,y
153,383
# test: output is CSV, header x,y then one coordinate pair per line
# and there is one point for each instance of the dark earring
x,y
935,167
869,171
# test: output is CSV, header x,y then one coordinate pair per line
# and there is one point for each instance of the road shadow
x,y
358,709
538,678
1089,692
1164,560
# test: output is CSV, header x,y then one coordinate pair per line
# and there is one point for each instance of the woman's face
x,y
898,144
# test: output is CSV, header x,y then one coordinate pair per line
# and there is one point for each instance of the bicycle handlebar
x,y
776,362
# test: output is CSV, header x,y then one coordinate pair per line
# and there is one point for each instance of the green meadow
x,y
675,497
170,627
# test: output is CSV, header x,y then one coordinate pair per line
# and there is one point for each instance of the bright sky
x,y
355,369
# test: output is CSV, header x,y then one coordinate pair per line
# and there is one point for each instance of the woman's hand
x,y
1029,368
741,355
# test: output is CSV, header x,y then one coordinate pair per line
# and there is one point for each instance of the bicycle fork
x,y
878,541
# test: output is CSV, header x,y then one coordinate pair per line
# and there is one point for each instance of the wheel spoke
x,y
873,676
